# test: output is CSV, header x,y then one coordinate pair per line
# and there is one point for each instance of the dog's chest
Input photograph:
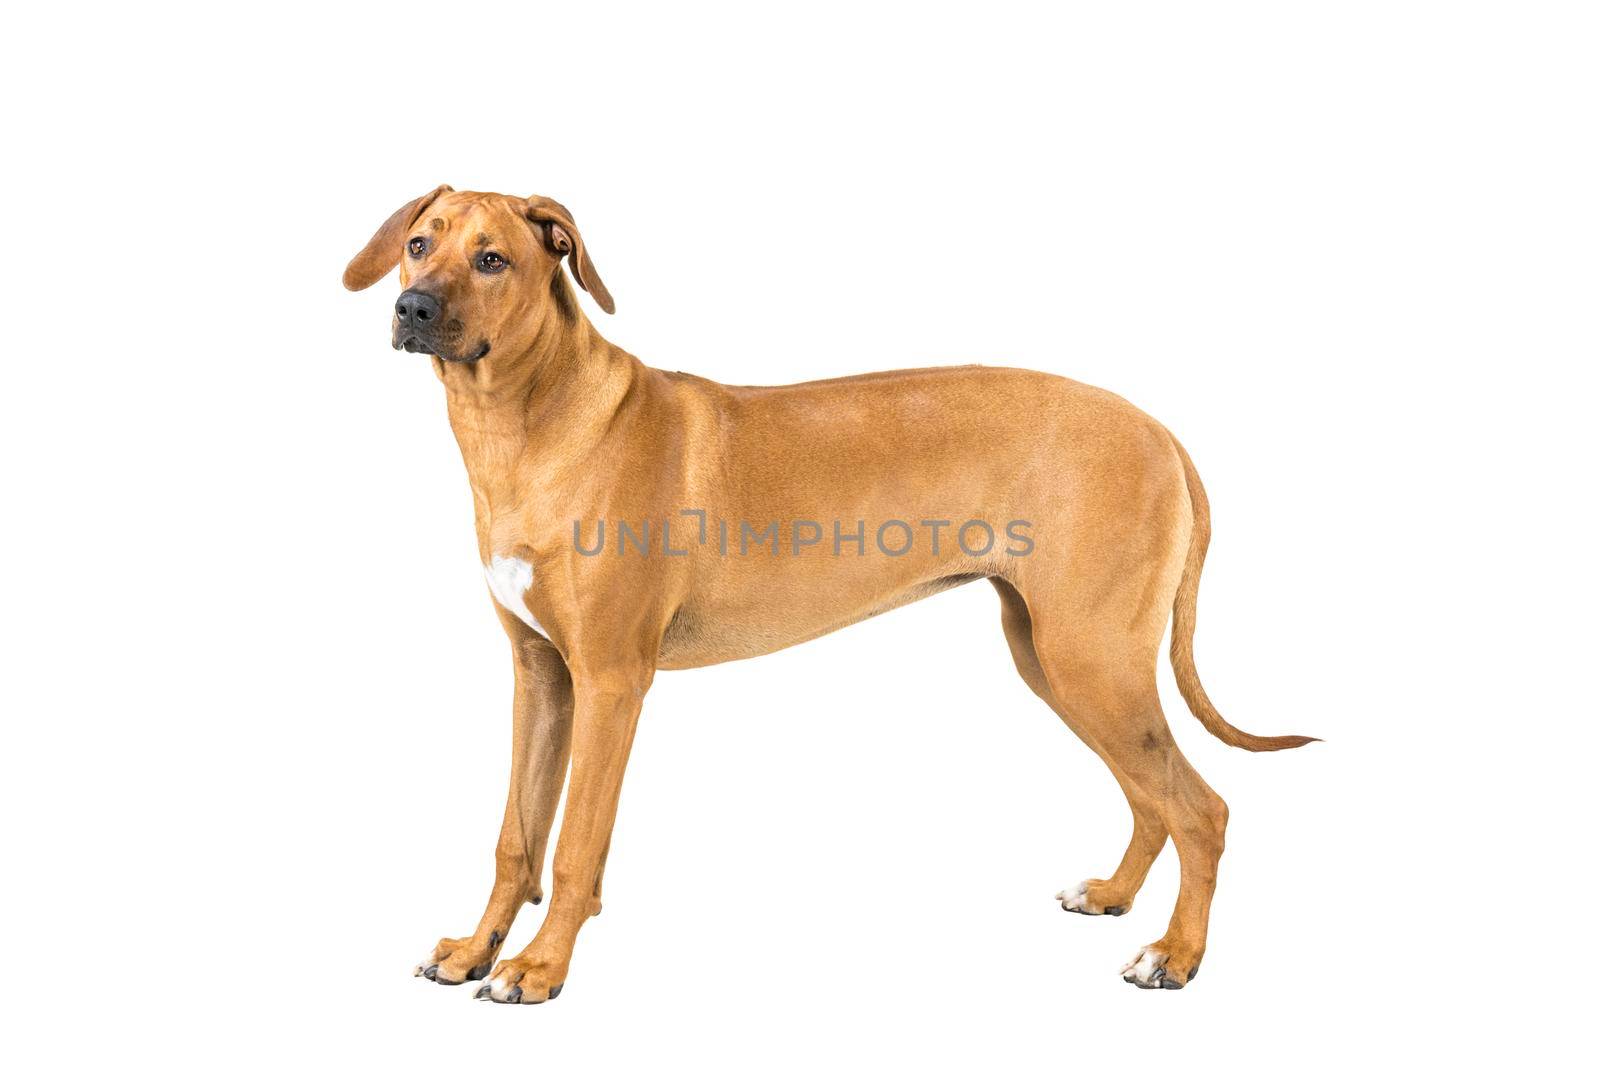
x,y
510,578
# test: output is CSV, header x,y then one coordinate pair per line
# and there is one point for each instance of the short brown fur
x,y
554,423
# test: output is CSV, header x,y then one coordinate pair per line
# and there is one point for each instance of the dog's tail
x,y
1183,612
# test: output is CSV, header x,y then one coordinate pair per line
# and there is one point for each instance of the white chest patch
x,y
510,579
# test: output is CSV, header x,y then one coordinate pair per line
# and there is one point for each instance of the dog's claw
x,y
478,973
431,973
1148,970
1076,900
512,994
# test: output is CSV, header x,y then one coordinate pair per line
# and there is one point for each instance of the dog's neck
x,y
526,419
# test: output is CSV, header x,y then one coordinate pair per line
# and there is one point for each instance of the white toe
x,y
1076,898
1143,967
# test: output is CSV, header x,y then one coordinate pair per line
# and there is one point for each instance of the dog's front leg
x,y
607,714
541,732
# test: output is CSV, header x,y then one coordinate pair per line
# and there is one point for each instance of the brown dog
x,y
743,520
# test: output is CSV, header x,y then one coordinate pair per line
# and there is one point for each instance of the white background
x,y
256,700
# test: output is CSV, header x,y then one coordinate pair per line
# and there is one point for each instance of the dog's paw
x,y
457,960
1157,968
1090,898
519,981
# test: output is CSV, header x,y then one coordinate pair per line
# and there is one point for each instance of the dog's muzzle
x,y
420,326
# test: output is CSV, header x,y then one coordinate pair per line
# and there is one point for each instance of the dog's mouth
x,y
412,342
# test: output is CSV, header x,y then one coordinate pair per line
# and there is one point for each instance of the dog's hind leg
x,y
1114,895
1085,617
1107,694
541,732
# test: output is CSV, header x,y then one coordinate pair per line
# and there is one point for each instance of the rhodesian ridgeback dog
x,y
631,520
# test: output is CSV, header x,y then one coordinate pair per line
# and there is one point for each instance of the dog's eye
x,y
417,246
490,262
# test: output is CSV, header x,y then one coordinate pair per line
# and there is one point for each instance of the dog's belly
x,y
704,633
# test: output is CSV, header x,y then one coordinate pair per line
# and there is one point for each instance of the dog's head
x,y
480,271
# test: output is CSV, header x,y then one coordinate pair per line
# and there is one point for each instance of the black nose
x,y
417,308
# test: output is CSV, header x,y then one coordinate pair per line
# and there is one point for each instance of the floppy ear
x,y
565,240
383,251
